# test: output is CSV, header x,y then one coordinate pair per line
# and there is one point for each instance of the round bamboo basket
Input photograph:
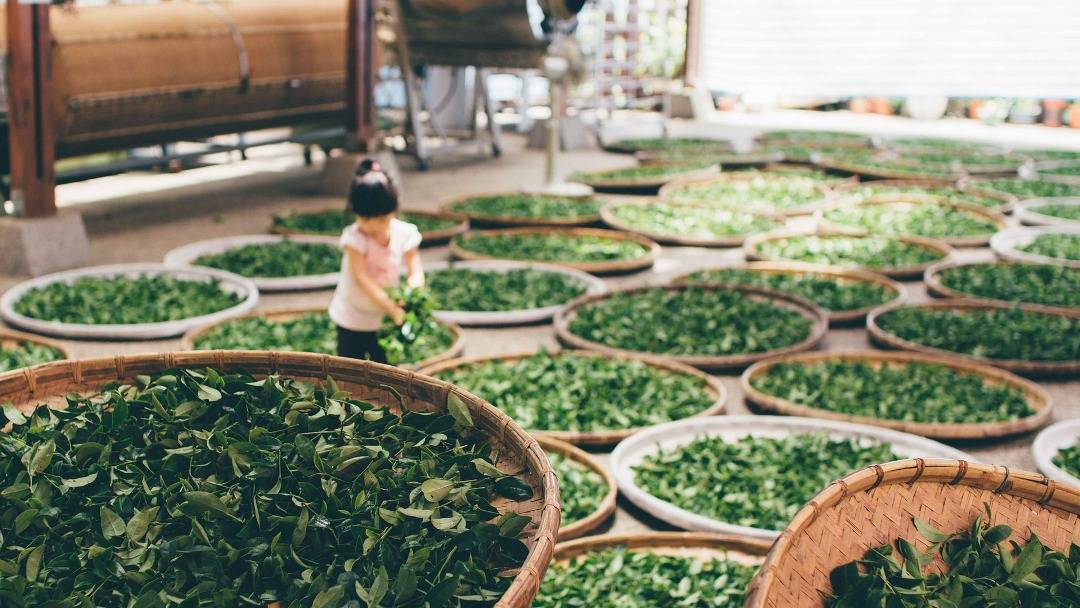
x,y
750,249
875,506
702,545
1028,211
607,213
724,159
976,187
611,267
12,339
935,287
607,505
430,237
818,326
837,317
1037,398
1005,202
1040,368
897,172
1041,172
598,438
668,191
625,146
648,184
487,219
513,448
1007,245
288,314
996,219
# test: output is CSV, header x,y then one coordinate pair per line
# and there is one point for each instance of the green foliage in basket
x,y
980,566
283,258
201,488
125,300
421,336
693,321
917,219
621,578
1043,155
1061,246
551,247
992,333
940,145
581,489
909,392
690,221
581,393
23,353
668,143
1065,170
874,252
643,172
829,292
812,137
311,332
1028,188
967,160
1047,284
332,221
759,482
755,191
869,161
475,290
1068,459
952,195
529,206
1065,212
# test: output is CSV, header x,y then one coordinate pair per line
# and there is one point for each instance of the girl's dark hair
x,y
372,192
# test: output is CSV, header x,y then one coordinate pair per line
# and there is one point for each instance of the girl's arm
x,y
414,268
378,295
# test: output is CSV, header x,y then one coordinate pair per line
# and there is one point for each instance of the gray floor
x,y
145,233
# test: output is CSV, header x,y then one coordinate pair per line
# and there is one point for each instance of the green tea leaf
x,y
111,524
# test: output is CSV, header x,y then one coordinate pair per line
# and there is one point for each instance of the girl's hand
x,y
397,315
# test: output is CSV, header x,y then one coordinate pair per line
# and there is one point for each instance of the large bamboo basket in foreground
x,y
875,506
514,450
714,387
1036,397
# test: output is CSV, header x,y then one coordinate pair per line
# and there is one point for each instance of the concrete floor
x,y
145,231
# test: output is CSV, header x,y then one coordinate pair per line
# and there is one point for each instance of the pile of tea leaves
x,y
332,221
1027,188
1068,459
476,290
1047,284
581,489
528,206
621,578
24,353
766,192
421,335
582,393
993,333
125,300
980,566
917,219
693,321
1055,245
667,143
206,488
829,292
870,190
873,252
311,332
1065,212
909,392
285,258
642,172
1071,170
824,138
759,482
551,247
690,221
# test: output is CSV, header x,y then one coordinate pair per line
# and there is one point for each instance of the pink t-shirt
x,y
351,308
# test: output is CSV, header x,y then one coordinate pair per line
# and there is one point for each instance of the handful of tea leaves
x,y
421,335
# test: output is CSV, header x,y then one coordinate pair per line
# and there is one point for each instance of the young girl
x,y
374,246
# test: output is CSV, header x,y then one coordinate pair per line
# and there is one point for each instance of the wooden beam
x,y
692,62
31,135
360,76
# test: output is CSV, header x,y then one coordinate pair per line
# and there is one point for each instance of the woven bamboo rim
x,y
750,249
875,506
1035,396
10,338
1048,368
514,448
713,386
430,237
819,325
614,146
724,159
702,545
651,183
606,509
936,288
841,274
611,267
607,213
995,218
457,346
666,193
514,220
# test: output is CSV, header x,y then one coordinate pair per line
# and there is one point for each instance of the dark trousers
x,y
359,345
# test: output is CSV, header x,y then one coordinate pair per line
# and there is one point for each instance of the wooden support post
x,y
31,137
692,63
360,76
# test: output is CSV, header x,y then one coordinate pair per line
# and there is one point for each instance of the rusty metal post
x,y
360,76
31,135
